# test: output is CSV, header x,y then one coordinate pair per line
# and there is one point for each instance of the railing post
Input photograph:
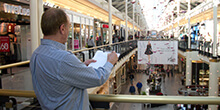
x,y
189,26
126,20
110,20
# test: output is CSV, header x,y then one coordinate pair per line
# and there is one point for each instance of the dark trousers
x,y
91,52
139,91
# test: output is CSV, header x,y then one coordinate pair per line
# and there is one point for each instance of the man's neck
x,y
53,37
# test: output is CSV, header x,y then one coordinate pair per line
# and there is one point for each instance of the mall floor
x,y
169,87
21,80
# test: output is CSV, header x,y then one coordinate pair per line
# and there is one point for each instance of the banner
x,y
157,52
4,44
76,44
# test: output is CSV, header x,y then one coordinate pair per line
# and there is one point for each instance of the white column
x,y
178,13
126,20
80,35
72,24
215,23
188,68
133,21
172,23
189,26
110,20
213,81
40,12
34,22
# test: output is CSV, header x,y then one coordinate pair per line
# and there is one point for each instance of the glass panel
x,y
69,40
76,36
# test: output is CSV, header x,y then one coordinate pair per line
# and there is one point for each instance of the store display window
x,y
76,36
69,40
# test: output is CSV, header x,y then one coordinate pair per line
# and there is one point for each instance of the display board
x,y
159,52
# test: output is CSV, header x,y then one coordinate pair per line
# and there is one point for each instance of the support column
x,y
189,26
110,20
213,81
40,12
215,23
188,68
80,35
34,22
133,20
172,24
126,20
178,13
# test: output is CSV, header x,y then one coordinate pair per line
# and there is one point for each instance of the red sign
x,y
105,26
4,44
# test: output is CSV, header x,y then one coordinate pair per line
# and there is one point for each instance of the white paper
x,y
101,59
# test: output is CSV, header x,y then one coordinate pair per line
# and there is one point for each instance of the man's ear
x,y
62,29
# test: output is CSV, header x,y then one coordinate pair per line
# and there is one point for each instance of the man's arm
x,y
77,74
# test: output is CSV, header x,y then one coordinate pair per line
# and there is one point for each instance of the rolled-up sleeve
x,y
75,73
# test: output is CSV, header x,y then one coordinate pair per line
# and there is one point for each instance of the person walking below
x,y
91,44
132,89
139,86
171,70
168,71
131,78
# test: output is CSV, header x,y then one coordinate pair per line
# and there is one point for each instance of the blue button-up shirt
x,y
60,79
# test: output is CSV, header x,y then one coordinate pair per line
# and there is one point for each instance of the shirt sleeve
x,y
75,73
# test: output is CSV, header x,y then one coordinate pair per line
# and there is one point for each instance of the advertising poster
x,y
4,44
157,52
76,44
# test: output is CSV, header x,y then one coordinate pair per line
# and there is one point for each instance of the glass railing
x,y
204,48
18,76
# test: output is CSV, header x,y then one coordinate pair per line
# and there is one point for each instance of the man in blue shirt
x,y
139,86
132,89
59,78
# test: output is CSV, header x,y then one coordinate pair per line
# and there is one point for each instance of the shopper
x,y
132,89
91,44
131,76
168,71
59,78
139,86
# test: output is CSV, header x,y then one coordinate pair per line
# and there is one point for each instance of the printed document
x,y
101,59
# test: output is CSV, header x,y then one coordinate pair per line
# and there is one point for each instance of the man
x,y
91,44
132,89
139,86
59,78
131,76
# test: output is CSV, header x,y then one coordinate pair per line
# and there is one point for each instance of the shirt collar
x,y
53,43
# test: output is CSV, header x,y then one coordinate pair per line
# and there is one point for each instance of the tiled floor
x,y
169,87
21,80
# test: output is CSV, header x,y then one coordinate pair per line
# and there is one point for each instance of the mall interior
x,y
179,72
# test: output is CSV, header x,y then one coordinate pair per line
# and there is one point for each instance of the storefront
x,y
80,31
15,31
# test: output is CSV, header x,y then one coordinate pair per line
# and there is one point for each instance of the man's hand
x,y
87,62
112,58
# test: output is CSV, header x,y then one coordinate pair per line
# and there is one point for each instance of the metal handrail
x,y
14,64
211,100
28,61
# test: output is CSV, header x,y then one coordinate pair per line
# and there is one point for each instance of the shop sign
x,y
4,44
76,44
16,9
50,5
105,26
